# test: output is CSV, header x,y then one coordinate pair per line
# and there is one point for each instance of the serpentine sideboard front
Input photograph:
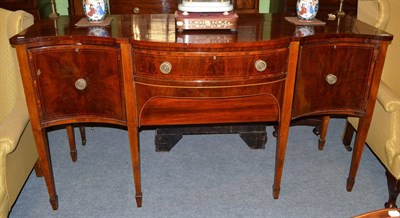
x,y
140,71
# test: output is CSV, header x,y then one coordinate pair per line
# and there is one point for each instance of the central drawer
x,y
209,66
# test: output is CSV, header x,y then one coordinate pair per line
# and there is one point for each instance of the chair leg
x,y
394,190
347,136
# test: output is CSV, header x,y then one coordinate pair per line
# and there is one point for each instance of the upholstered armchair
x,y
17,147
384,133
18,153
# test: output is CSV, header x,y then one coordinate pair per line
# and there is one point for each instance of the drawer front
x,y
338,85
217,66
78,81
179,105
181,111
143,6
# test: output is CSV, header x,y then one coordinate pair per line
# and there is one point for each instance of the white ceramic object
x,y
205,6
95,10
307,9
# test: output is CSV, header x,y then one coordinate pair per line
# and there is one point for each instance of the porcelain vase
x,y
307,9
95,10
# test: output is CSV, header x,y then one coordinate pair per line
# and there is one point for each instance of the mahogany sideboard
x,y
140,71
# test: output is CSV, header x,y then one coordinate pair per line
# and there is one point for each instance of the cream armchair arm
x,y
389,101
391,105
12,126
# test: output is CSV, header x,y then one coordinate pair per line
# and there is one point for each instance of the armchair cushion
x,y
12,126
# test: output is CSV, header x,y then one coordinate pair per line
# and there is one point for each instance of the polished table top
x,y
160,28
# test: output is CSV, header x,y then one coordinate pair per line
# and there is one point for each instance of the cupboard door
x,y
333,78
73,82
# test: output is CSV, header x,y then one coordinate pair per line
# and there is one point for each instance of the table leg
x,y
285,120
71,141
323,132
361,136
42,146
135,155
283,133
38,169
83,134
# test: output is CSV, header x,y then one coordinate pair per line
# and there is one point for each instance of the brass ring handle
x,y
166,67
260,65
80,84
331,79
136,10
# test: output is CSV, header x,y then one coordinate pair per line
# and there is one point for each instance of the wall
x,y
264,6
62,7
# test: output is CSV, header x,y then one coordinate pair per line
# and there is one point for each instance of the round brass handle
x,y
260,65
80,84
166,67
136,10
331,79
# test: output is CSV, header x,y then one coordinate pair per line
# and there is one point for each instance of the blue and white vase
x,y
98,31
307,9
95,10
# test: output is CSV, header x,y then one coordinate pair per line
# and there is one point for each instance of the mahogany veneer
x,y
141,72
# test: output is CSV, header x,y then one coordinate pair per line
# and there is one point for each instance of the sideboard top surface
x,y
160,28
